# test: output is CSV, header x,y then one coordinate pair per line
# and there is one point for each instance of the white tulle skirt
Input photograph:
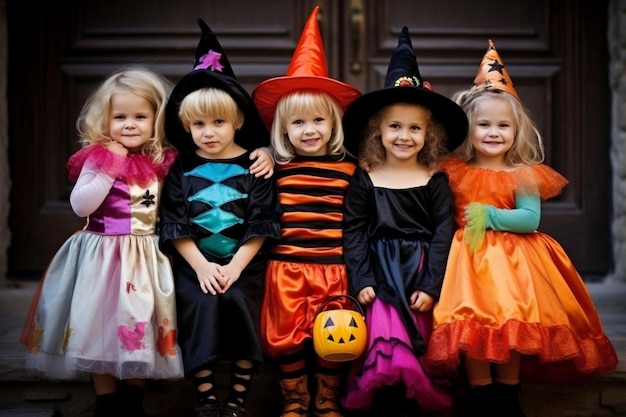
x,y
106,305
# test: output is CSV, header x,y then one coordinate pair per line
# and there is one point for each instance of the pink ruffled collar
x,y
134,169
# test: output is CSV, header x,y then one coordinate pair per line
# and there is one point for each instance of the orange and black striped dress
x,y
306,265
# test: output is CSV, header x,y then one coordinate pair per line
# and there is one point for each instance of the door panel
x,y
556,54
555,51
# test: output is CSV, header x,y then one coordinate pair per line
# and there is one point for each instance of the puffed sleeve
x,y
174,210
264,210
356,218
442,207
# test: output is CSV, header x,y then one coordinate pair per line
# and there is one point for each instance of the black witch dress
x,y
220,205
397,241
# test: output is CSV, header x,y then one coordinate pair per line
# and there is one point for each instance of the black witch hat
x,y
403,84
211,68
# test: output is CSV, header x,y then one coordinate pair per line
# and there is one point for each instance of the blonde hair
x,y
527,146
209,102
372,152
308,101
93,122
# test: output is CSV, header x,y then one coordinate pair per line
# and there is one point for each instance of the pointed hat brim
x,y
307,71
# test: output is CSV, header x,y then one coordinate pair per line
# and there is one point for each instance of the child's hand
x,y
230,274
366,295
476,222
210,276
116,147
264,164
421,301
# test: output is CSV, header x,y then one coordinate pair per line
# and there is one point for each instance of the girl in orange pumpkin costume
x,y
512,305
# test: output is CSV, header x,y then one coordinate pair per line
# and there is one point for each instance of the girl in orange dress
x,y
512,306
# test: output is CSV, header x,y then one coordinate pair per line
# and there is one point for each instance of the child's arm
x,y
524,218
232,271
90,190
264,164
209,273
356,218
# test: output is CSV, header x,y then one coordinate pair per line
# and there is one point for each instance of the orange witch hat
x,y
492,74
307,70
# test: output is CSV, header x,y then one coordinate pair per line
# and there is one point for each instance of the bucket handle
x,y
355,302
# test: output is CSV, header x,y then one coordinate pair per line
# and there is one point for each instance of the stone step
x,y
23,395
28,412
605,397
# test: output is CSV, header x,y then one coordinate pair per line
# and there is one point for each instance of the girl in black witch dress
x,y
398,227
216,220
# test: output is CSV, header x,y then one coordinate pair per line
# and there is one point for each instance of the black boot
x,y
107,405
131,397
507,398
480,402
390,401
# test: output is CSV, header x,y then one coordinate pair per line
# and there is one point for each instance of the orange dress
x,y
515,291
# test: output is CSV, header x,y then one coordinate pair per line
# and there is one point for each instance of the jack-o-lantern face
x,y
339,335
342,333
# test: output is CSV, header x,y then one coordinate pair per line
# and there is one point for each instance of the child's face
x,y
309,133
214,137
403,131
493,130
132,120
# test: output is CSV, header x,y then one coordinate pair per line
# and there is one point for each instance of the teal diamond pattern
x,y
216,171
215,219
218,245
217,195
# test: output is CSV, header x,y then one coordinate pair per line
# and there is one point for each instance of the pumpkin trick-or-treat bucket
x,y
339,334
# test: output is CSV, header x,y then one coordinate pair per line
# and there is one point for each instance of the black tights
x,y
241,377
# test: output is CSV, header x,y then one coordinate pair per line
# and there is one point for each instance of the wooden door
x,y
555,51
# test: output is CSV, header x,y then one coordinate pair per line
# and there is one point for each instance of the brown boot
x,y
296,397
327,396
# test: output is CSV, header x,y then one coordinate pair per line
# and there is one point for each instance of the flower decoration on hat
x,y
210,60
307,70
492,73
405,81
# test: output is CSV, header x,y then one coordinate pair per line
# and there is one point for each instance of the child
x,y
398,226
106,304
215,219
512,304
304,109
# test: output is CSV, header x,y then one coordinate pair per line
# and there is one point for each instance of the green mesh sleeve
x,y
524,218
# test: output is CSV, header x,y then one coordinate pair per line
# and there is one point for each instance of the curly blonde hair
x,y
93,122
527,146
305,101
372,151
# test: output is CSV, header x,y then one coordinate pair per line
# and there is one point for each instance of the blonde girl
x,y
513,307
106,305
304,110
